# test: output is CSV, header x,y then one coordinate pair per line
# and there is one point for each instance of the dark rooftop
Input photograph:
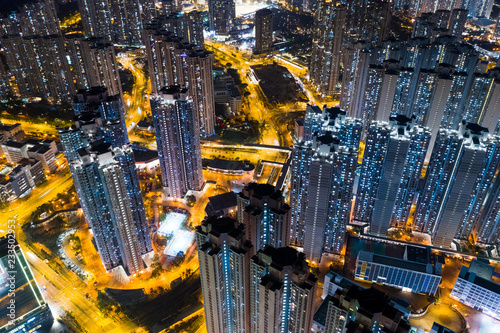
x,y
418,254
261,190
229,165
171,90
320,315
476,129
14,144
221,225
220,202
327,139
4,127
144,155
100,147
284,256
473,278
401,119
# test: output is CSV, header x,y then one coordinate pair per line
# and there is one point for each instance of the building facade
x,y
477,292
458,180
392,164
322,179
221,14
178,140
265,214
224,257
282,291
263,31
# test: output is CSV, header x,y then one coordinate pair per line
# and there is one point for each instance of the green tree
x,y
190,200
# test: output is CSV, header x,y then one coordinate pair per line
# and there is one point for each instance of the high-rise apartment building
x,y
162,60
388,89
263,31
96,18
301,163
440,23
326,47
54,67
488,227
489,116
193,32
224,256
31,61
439,82
357,61
102,68
30,18
177,63
200,84
103,168
188,26
392,163
282,291
265,214
480,105
95,105
39,18
101,188
322,179
272,291
221,14
167,7
368,20
75,46
329,197
481,8
458,18
178,140
99,102
118,22
458,180
477,213
431,99
115,189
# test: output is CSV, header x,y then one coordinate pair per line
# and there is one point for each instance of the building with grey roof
x,y
413,272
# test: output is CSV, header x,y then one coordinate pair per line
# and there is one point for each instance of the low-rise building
x,y
414,272
13,131
31,312
226,92
45,154
25,177
221,205
333,282
14,151
474,287
228,166
299,129
438,328
43,150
